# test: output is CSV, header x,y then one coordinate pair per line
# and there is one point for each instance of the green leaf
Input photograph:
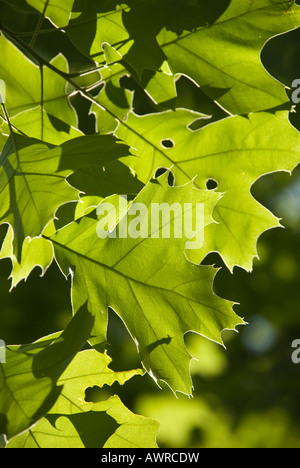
x,y
4,133
223,57
35,87
84,32
32,179
216,44
58,12
37,123
234,152
28,378
35,252
131,28
113,101
160,86
74,423
30,189
98,183
101,182
148,282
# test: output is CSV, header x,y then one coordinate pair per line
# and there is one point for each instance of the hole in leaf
x,y
159,172
163,170
96,394
212,184
167,144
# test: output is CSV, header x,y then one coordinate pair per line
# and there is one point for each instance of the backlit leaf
x,y
28,378
148,282
74,423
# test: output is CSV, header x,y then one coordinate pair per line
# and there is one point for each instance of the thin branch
x,y
13,126
38,26
11,130
87,95
42,101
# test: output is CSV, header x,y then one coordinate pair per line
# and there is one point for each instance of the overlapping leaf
x,y
31,191
33,179
131,27
35,252
39,92
234,152
74,423
148,282
113,101
217,44
224,56
55,10
28,379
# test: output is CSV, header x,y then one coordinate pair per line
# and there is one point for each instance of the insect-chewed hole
x,y
168,143
163,170
212,184
96,394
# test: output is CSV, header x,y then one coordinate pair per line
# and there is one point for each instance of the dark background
x,y
247,395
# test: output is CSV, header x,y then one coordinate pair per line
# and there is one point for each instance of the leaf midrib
x,y
129,278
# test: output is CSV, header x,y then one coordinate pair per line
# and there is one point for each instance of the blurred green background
x,y
247,395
